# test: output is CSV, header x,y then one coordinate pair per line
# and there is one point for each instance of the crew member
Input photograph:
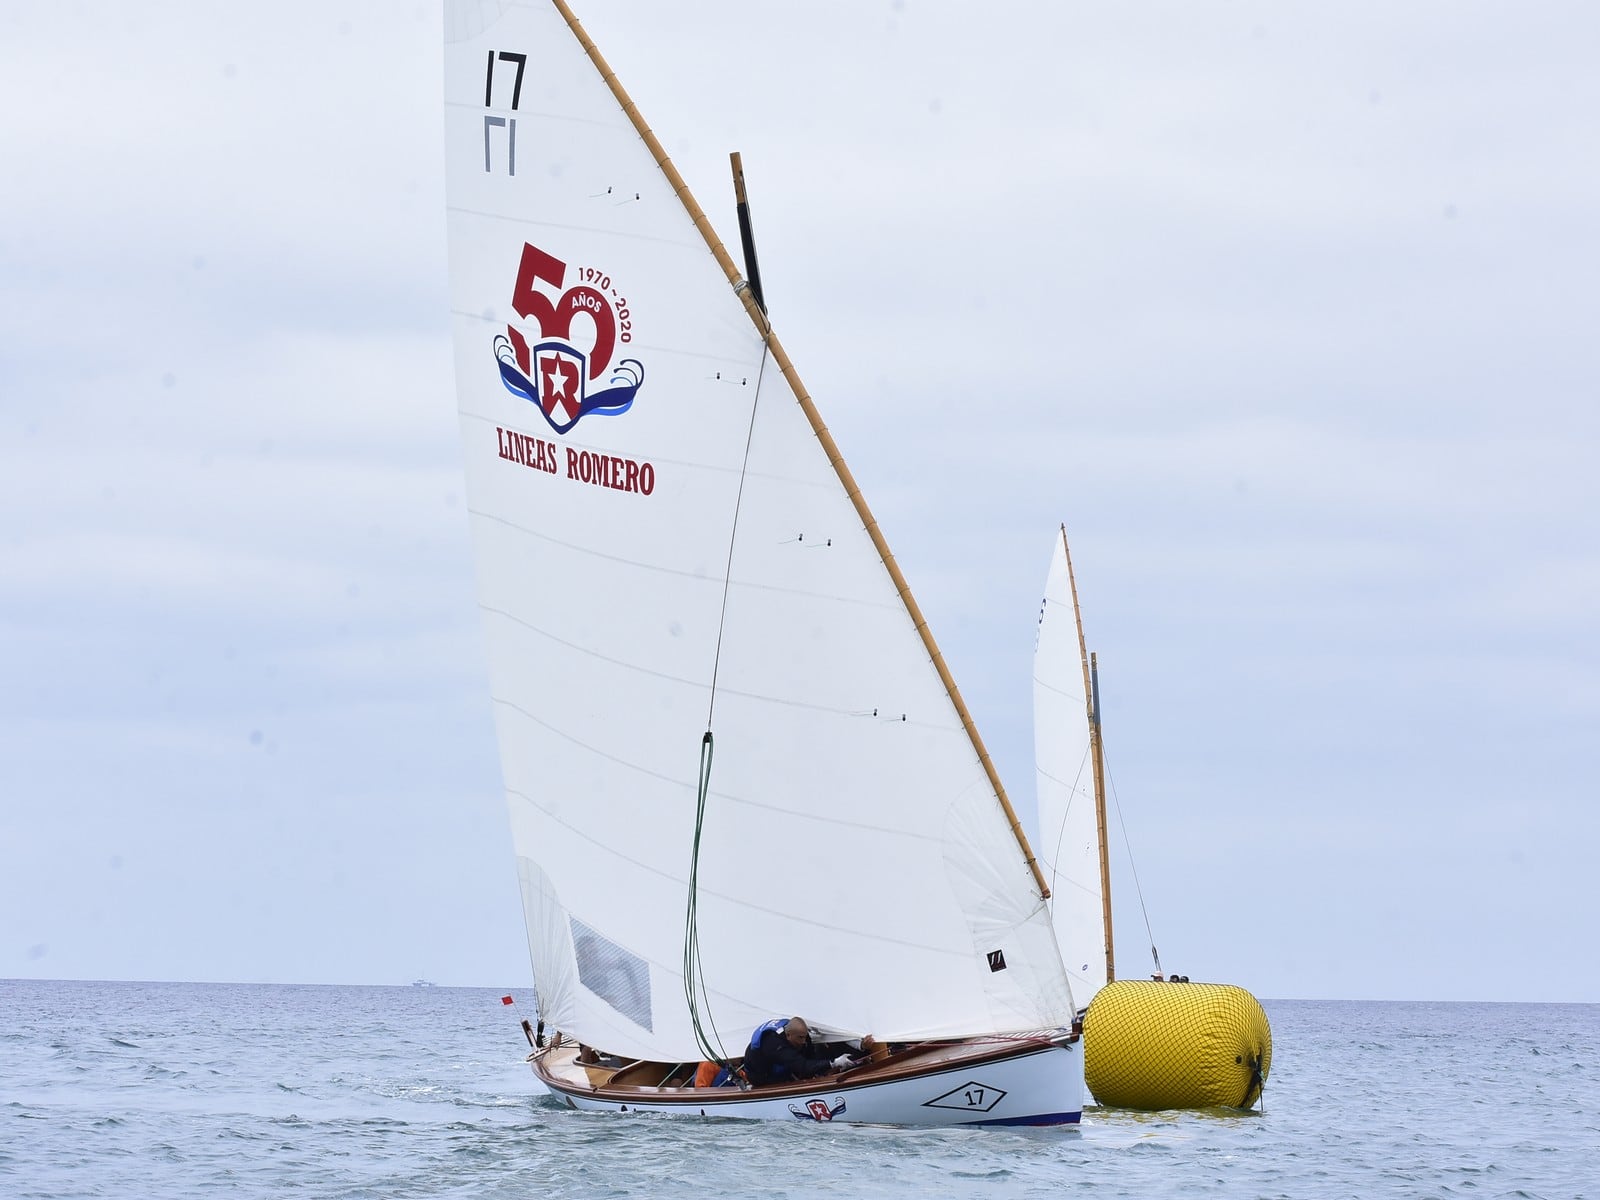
x,y
782,1050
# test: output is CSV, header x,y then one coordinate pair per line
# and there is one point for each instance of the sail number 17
x,y
492,121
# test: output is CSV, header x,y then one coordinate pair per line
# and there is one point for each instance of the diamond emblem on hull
x,y
969,1097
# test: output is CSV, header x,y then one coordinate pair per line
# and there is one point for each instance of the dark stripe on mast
x,y
747,237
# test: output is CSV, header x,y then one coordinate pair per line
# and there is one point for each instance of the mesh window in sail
x,y
619,978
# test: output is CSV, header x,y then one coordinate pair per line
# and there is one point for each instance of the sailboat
x,y
742,782
1147,1044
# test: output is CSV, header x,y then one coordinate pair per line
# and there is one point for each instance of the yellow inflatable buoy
x,y
1152,1045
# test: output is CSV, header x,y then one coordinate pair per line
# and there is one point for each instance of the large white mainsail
x,y
653,514
1069,833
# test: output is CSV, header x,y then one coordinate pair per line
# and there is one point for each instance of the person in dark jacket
x,y
782,1050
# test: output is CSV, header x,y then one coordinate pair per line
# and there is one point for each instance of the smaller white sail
x,y
1069,833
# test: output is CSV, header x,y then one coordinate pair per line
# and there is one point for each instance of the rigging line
x,y
694,980
1132,867
733,531
691,932
1061,834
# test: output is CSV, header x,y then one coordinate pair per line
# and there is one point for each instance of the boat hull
x,y
1036,1081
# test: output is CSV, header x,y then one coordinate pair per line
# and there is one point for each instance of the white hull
x,y
1035,1081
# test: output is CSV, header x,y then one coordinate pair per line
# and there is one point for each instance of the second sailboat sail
x,y
1071,830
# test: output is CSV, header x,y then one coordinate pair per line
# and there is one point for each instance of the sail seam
x,y
1073,787
764,697
1050,687
887,830
675,571
741,902
529,223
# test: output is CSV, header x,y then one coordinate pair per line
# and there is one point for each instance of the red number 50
x,y
555,318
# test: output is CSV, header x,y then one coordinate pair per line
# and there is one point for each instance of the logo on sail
x,y
566,370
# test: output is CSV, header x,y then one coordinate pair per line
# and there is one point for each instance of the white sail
x,y
1069,838
662,547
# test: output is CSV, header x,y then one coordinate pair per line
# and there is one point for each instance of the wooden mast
x,y
1097,751
1091,694
779,356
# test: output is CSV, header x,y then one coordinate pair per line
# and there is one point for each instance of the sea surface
x,y
177,1089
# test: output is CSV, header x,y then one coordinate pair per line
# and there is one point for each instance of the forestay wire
x,y
694,983
1132,867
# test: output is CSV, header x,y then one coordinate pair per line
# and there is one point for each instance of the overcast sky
x,y
1287,311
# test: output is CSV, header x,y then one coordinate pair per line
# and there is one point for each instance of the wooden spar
x,y
1097,749
779,356
1091,695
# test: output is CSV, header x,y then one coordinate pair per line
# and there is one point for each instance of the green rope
x,y
694,983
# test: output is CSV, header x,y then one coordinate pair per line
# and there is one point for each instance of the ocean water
x,y
168,1090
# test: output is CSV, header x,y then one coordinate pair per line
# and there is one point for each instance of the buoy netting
x,y
1154,1045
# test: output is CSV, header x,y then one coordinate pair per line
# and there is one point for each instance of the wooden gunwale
x,y
921,1059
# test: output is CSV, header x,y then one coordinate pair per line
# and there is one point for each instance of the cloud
x,y
1284,313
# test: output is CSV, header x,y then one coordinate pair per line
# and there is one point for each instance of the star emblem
x,y
560,385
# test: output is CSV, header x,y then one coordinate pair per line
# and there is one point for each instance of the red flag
x,y
505,999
